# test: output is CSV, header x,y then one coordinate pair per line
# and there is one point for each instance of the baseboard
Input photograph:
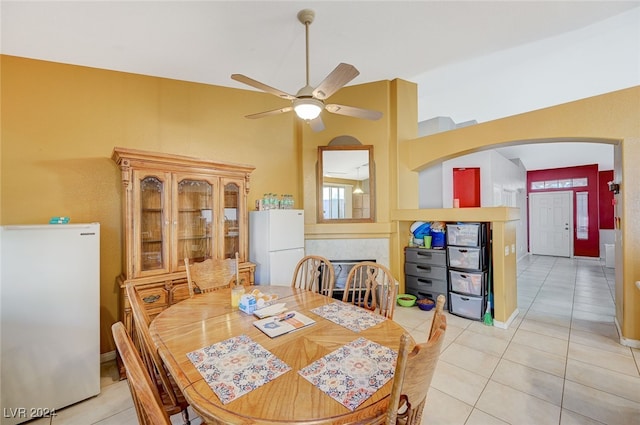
x,y
633,343
108,356
505,325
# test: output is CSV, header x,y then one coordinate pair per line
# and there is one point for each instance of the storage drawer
x,y
472,283
436,257
425,270
467,258
433,295
424,284
466,234
155,299
467,306
179,292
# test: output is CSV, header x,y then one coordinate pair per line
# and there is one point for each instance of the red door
x,y
466,186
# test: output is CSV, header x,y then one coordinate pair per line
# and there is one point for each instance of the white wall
x,y
480,160
598,59
498,178
607,236
522,234
430,187
498,175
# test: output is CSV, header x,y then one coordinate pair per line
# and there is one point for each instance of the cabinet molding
x,y
176,207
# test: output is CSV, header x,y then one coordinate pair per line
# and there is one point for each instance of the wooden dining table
x,y
207,319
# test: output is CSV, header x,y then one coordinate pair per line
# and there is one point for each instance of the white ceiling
x,y
560,155
207,41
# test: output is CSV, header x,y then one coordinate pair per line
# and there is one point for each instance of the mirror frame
x,y
320,184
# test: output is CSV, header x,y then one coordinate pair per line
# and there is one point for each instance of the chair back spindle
x,y
170,395
143,392
211,274
371,286
314,273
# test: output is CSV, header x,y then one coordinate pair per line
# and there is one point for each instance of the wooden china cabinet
x,y
177,207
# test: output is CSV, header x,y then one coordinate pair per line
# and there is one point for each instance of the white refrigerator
x,y
50,318
276,244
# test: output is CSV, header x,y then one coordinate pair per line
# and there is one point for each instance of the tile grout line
x,y
566,363
474,407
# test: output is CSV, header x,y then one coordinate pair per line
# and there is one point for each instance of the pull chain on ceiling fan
x,y
309,102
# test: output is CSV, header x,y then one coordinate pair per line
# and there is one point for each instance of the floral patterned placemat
x,y
352,373
236,366
350,316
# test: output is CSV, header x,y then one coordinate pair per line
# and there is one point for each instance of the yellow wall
x,y
383,135
60,124
373,96
610,118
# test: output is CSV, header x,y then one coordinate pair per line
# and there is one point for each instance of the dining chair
x,y
439,308
211,274
145,395
314,273
414,372
170,395
371,286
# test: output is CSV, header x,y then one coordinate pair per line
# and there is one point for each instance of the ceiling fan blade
x,y
352,111
269,113
316,124
341,75
260,86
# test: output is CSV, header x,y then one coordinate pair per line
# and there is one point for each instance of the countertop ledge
x,y
457,214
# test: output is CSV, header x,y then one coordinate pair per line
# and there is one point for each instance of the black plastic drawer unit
x,y
436,257
425,272
425,284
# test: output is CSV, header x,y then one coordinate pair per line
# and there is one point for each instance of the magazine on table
x,y
283,323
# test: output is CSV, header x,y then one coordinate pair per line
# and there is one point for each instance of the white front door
x,y
551,223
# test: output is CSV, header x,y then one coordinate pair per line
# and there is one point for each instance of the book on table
x,y
283,323
271,310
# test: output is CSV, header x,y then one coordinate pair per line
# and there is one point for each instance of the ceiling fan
x,y
309,101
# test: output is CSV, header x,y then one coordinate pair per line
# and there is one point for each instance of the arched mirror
x,y
346,184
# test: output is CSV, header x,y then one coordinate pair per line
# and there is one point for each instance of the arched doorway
x,y
508,182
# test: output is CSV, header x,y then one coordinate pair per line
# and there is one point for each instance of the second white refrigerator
x,y
276,244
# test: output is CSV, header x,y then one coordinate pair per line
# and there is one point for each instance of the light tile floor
x,y
559,363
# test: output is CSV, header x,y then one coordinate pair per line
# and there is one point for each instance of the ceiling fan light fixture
x,y
307,109
309,102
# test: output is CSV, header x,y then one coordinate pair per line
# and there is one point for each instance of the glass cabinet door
x,y
195,217
232,216
150,230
